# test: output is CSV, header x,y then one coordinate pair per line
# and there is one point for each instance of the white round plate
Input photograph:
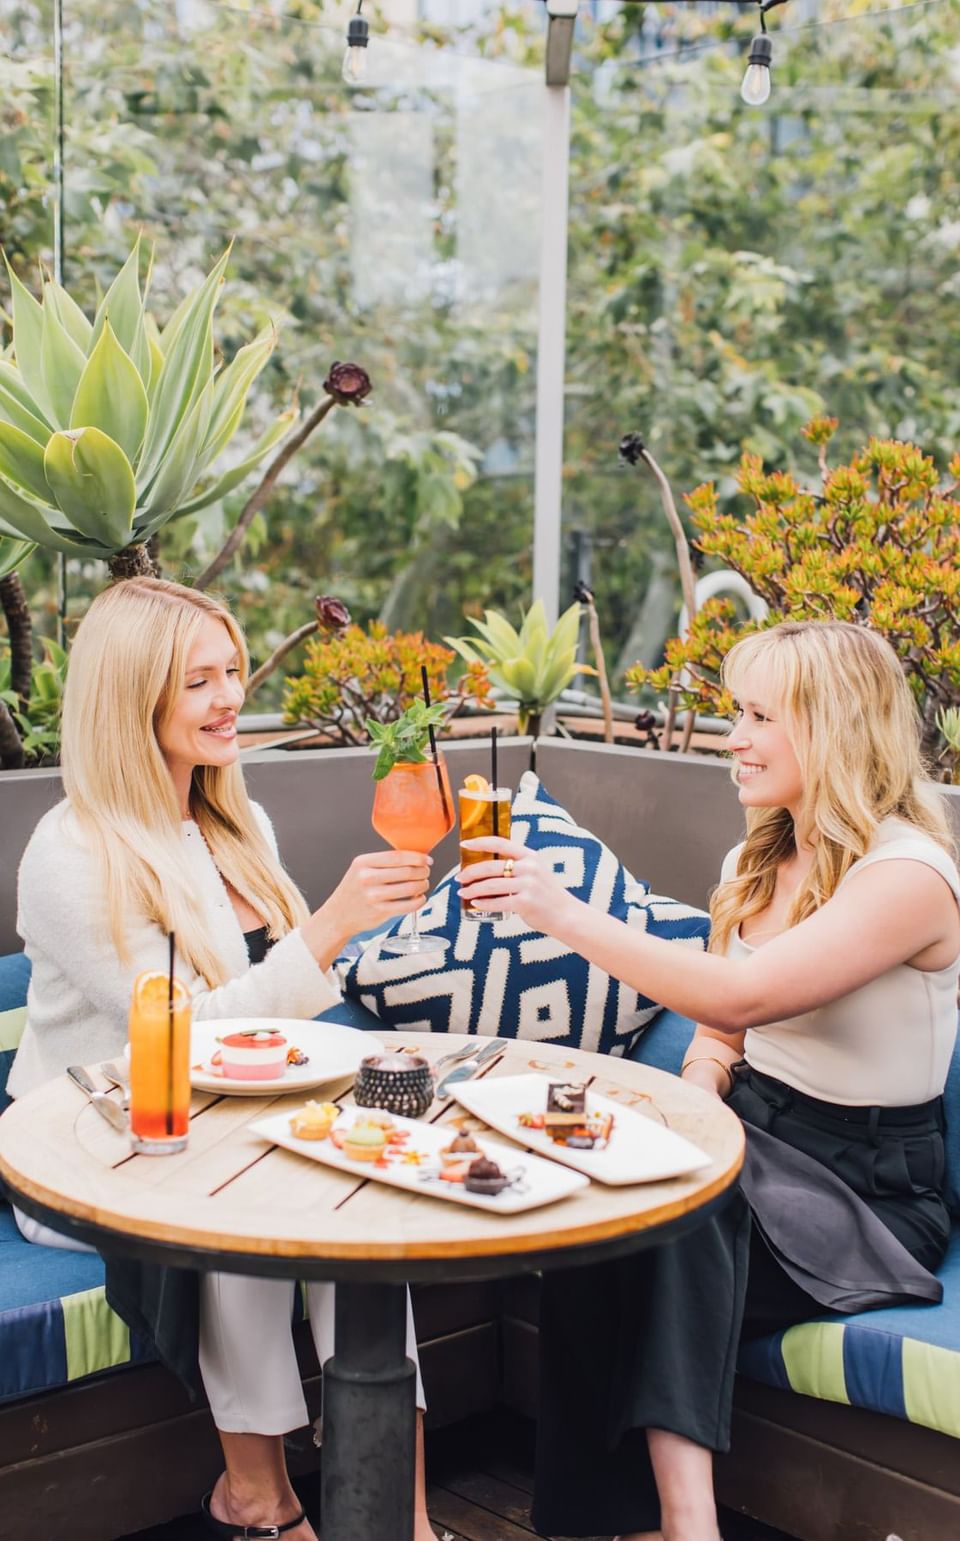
x,y
333,1050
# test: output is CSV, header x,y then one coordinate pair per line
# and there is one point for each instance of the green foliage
x,y
530,666
733,271
358,676
948,724
876,544
730,273
405,741
39,725
109,427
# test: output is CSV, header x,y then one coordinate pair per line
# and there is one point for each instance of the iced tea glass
x,y
159,1065
412,811
477,820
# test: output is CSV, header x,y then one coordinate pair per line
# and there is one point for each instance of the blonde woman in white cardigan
x,y
157,834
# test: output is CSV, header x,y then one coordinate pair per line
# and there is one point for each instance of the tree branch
x,y
13,602
256,501
11,749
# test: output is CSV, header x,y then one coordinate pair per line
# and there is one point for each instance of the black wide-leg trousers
x,y
651,1340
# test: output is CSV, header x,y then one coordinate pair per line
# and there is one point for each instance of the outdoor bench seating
x,y
57,1334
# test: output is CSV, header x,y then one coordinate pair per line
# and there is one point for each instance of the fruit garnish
x,y
472,813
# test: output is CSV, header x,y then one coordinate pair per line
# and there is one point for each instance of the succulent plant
x,y
530,666
109,428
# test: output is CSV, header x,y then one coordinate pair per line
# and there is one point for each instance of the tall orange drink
x,y
412,811
159,1065
484,810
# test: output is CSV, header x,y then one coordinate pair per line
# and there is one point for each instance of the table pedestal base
x,y
369,1418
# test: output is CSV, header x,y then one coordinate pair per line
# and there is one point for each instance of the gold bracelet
x,y
710,1059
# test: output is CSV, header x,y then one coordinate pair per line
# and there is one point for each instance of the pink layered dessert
x,y
256,1055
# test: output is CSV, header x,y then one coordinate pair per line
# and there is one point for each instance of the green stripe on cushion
x,y
813,1360
931,1386
12,1024
96,1338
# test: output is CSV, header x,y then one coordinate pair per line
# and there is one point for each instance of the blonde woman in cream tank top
x,y
827,1016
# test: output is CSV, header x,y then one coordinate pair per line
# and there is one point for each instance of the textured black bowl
x,y
397,1083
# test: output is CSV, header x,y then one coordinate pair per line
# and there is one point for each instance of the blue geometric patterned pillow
x,y
505,980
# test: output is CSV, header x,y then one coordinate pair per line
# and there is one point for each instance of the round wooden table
x,y
234,1203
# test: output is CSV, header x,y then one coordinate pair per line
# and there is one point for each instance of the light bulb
x,y
756,85
755,89
354,65
355,59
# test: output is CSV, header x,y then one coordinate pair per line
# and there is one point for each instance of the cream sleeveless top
x,y
887,1044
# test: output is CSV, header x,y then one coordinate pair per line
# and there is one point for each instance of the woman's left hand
x,y
517,881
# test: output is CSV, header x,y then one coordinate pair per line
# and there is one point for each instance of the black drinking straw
x,y
425,681
170,939
493,778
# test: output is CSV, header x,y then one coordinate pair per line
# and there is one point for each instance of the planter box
x,y
670,818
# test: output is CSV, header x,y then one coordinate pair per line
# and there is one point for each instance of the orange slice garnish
x,y
472,812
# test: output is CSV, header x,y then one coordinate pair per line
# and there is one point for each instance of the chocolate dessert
x,y
566,1108
485,1176
461,1145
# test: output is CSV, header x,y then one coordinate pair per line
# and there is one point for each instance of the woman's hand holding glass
x,y
517,881
376,887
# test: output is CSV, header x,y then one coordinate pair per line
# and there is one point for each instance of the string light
x,y
355,59
755,89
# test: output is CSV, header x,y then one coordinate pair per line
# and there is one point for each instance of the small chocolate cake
x,y
398,1083
485,1176
461,1145
566,1107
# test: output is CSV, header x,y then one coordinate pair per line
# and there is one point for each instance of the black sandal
x,y
232,1532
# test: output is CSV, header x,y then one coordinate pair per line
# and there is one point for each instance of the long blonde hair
x,y
127,667
842,695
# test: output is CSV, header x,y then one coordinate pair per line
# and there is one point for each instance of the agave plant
x,y
530,666
109,428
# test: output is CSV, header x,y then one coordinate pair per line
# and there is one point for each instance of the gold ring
x,y
508,868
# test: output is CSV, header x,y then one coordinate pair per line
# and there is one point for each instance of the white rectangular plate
x,y
333,1051
535,1182
640,1151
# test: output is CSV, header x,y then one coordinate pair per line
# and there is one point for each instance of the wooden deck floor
x,y
480,1476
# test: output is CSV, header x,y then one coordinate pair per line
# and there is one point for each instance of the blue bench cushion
x,y
904,1361
55,1324
14,978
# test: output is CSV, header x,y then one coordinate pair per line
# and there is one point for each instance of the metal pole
x,y
548,483
58,205
369,1418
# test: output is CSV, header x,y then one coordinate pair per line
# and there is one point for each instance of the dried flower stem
x,y
688,588
277,656
593,620
257,499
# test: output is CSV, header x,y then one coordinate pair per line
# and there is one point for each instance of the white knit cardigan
x,y
79,995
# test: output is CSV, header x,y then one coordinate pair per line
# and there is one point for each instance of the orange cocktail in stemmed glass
x,y
412,811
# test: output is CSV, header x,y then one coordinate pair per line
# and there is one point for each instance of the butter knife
x,y
103,1104
464,1072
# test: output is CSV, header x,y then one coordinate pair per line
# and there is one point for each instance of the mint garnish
x,y
404,741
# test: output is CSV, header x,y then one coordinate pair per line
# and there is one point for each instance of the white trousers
x,y
43,1236
247,1357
